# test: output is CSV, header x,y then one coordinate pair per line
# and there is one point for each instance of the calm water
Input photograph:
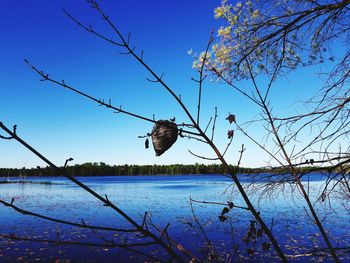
x,y
166,198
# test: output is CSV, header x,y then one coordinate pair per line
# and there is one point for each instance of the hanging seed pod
x,y
164,135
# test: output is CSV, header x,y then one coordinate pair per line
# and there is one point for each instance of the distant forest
x,y
102,169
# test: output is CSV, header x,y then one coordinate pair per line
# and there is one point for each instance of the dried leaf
x,y
230,205
225,211
222,218
231,118
230,134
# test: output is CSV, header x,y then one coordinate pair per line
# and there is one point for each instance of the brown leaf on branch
x,y
231,118
230,134
230,205
222,218
225,211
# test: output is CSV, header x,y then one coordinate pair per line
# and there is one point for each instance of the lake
x,y
166,199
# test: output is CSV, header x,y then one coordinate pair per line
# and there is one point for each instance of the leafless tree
x,y
267,47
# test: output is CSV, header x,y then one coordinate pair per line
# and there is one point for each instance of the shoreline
x,y
102,169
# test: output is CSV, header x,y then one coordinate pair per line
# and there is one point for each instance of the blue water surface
x,y
166,199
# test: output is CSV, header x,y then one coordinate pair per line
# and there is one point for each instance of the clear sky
x,y
62,124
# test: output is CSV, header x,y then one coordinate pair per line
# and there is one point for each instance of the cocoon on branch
x,y
164,135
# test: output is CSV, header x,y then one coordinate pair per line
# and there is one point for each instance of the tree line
x,y
102,169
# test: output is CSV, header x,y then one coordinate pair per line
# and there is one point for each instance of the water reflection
x,y
166,197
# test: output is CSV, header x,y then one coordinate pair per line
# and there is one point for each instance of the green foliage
x,y
102,169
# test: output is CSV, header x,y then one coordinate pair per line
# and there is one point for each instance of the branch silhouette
x,y
140,228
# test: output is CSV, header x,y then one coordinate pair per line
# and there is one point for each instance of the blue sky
x,y
61,124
